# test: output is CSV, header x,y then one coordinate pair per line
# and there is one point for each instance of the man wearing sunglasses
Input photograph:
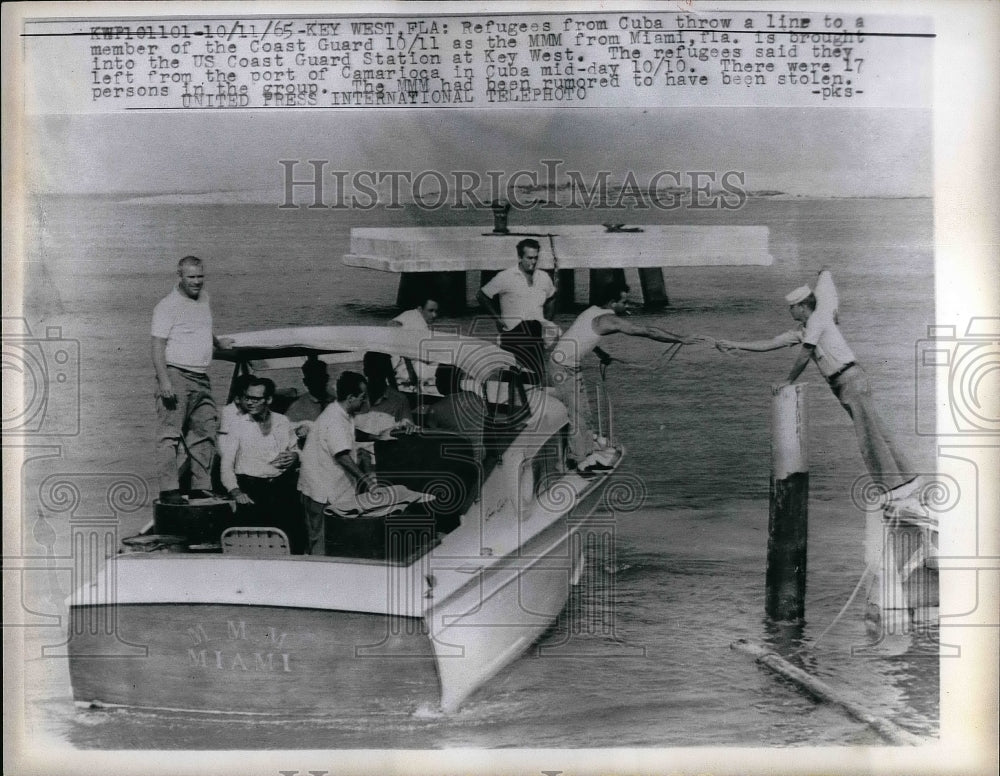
x,y
259,453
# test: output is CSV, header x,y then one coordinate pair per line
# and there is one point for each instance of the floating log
x,y
788,519
889,730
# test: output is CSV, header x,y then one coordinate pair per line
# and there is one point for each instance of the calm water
x,y
644,659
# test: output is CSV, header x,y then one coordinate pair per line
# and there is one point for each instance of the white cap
x,y
800,294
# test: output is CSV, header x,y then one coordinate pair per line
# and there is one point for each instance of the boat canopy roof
x,y
476,357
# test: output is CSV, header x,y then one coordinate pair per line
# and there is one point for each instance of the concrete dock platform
x,y
434,258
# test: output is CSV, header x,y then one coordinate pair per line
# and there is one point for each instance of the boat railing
x,y
604,414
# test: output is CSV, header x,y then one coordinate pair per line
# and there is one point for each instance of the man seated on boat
x,y
420,318
388,409
258,457
566,365
522,301
460,411
329,467
307,407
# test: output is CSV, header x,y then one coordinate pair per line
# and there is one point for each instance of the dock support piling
x,y
486,275
601,277
788,520
447,288
654,287
566,290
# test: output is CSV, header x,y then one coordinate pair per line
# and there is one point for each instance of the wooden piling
x,y
788,520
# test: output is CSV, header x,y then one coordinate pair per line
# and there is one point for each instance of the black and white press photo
x,y
503,387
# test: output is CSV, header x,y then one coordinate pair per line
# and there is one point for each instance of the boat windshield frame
x,y
495,373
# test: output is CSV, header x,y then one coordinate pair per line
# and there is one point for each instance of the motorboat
x,y
447,572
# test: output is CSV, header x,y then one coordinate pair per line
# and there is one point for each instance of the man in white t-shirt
x,y
182,343
329,466
566,364
822,342
515,297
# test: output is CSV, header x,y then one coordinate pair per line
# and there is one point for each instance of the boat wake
x,y
428,711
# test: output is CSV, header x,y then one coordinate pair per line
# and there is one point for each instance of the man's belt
x,y
841,371
267,480
187,371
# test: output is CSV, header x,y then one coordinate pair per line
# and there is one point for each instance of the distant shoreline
x,y
221,199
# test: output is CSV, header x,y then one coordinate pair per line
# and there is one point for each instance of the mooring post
x,y
788,521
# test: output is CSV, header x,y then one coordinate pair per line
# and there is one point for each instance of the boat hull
x,y
486,624
250,659
299,635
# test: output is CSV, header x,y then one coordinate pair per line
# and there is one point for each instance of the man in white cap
x,y
823,343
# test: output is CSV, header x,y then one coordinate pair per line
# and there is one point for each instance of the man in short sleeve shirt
x,y
517,296
329,466
822,342
182,343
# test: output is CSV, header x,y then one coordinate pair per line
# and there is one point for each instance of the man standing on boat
x,y
522,302
822,342
182,342
329,464
258,454
309,405
566,368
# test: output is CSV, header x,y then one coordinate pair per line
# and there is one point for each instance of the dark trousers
x,y
525,342
275,504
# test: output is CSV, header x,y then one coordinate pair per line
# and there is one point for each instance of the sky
x,y
235,155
